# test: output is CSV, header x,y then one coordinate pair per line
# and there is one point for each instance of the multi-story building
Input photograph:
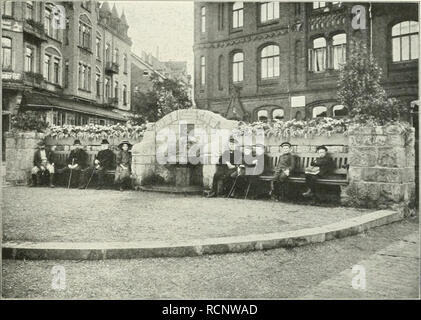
x,y
68,60
271,60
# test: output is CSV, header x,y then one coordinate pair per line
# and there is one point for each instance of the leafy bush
x,y
361,92
29,121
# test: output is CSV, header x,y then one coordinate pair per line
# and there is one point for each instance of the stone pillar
x,y
20,148
143,156
382,166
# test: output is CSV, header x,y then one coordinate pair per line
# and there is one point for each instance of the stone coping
x,y
236,244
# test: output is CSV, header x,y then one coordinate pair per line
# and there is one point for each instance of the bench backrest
x,y
61,156
303,160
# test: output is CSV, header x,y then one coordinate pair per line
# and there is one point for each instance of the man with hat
x,y
320,167
104,161
124,162
227,169
43,166
76,162
283,170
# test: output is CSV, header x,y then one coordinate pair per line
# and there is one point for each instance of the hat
x,y
125,142
104,141
232,139
321,147
259,145
77,141
41,143
285,144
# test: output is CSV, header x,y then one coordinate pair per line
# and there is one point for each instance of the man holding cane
x,y
76,162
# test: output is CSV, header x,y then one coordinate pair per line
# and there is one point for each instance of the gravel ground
x,y
44,214
278,273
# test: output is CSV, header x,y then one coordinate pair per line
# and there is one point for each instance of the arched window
x,y
107,88
405,41
339,111
124,94
298,116
85,31
98,81
125,63
237,15
317,55
237,67
116,90
116,55
269,62
203,19
269,11
107,53
278,114
6,53
339,50
52,65
262,115
98,45
319,112
202,70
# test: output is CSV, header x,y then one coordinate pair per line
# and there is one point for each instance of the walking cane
x,y
233,186
70,176
89,181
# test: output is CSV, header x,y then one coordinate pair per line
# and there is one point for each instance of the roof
x,y
37,100
138,59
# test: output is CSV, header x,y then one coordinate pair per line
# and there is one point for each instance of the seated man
x,y
227,168
319,168
76,163
124,163
43,166
104,161
256,161
283,170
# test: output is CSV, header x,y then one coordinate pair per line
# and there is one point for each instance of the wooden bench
x,y
338,176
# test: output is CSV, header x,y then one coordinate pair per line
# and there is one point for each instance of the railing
x,y
34,28
112,67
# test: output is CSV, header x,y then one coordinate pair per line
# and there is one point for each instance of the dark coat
x,y
326,165
124,158
80,157
38,160
106,159
286,161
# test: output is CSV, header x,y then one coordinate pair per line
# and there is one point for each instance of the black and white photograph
x,y
194,150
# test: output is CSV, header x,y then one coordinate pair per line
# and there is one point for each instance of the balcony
x,y
34,29
111,103
112,67
33,79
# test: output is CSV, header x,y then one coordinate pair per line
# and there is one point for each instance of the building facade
x,y
68,60
271,60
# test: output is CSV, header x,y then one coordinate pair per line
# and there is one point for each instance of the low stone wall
x,y
382,166
20,148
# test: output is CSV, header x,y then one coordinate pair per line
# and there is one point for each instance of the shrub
x,y
29,121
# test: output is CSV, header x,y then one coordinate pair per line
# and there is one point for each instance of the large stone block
x,y
361,140
383,175
391,192
396,140
391,157
355,174
362,156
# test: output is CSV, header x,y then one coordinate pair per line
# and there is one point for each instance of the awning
x,y
36,100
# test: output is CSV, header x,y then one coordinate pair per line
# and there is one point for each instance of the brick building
x,y
77,73
271,60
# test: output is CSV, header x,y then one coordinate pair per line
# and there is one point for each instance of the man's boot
x,y
52,181
34,180
39,179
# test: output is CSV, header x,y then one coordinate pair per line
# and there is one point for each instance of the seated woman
x,y
319,168
124,162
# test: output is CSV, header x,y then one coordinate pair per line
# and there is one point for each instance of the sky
x,y
163,25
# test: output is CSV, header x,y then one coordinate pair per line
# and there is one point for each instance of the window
x,y
85,32
84,77
269,62
317,55
320,4
278,114
262,115
405,41
237,67
66,74
319,112
339,111
47,21
124,94
116,89
107,88
55,31
88,78
6,53
29,10
98,48
125,63
221,16
7,8
202,71
98,84
29,59
203,19
237,15
47,73
220,68
116,56
269,11
107,53
339,50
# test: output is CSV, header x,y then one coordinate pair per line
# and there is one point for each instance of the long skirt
x,y
121,175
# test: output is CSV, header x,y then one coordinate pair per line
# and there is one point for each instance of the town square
x,y
264,150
